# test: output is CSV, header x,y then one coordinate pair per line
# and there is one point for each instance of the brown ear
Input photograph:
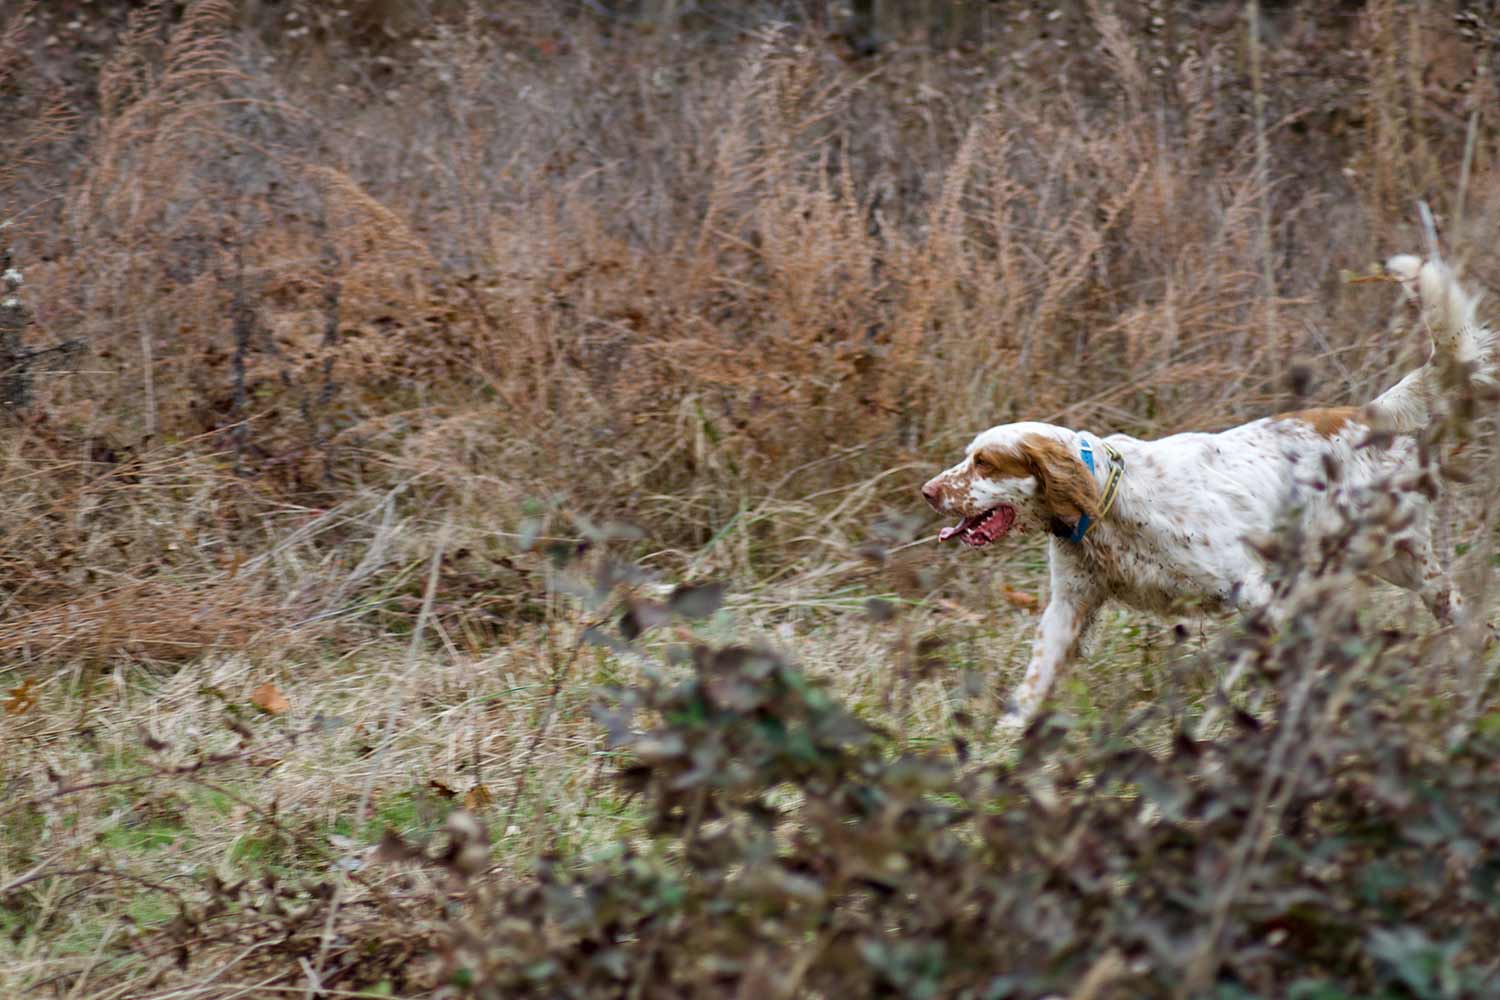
x,y
1068,488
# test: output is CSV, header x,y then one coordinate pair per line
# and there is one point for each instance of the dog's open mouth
x,y
981,529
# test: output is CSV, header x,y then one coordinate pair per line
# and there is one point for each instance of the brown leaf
x,y
269,700
958,611
393,848
22,699
1019,599
440,789
477,798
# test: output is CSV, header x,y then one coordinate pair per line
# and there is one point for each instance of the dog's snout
x,y
932,494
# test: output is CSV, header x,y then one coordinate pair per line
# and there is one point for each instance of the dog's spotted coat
x,y
1175,538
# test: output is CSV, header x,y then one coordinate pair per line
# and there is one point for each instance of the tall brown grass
x,y
522,254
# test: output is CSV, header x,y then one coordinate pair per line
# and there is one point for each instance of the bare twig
x,y
1263,179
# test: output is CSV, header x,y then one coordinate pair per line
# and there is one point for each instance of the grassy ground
x,y
380,734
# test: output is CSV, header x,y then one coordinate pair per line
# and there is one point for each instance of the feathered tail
x,y
1463,349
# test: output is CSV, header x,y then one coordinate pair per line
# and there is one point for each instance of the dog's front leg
x,y
1071,611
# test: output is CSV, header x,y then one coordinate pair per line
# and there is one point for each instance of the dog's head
x,y
1015,478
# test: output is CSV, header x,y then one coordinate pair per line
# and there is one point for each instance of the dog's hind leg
x,y
1416,567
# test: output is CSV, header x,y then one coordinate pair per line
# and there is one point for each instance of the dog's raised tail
x,y
1463,349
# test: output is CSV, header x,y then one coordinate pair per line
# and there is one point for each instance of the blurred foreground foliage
x,y
1342,840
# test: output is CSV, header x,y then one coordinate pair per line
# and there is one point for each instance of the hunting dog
x,y
1162,525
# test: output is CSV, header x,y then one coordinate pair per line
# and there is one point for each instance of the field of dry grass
x,y
360,356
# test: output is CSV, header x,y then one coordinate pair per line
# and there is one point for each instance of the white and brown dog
x,y
1161,526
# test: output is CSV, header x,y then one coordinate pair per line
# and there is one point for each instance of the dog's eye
x,y
983,466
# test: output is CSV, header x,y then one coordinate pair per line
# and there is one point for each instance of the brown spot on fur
x,y
1067,488
1326,420
1001,463
951,490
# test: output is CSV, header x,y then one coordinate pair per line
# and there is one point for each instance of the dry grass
x,y
516,276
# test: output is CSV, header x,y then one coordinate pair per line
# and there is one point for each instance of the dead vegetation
x,y
372,379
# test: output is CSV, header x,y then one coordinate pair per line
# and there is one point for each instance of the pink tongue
x,y
948,533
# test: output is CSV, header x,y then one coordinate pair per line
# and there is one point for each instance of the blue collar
x,y
1111,484
1085,452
